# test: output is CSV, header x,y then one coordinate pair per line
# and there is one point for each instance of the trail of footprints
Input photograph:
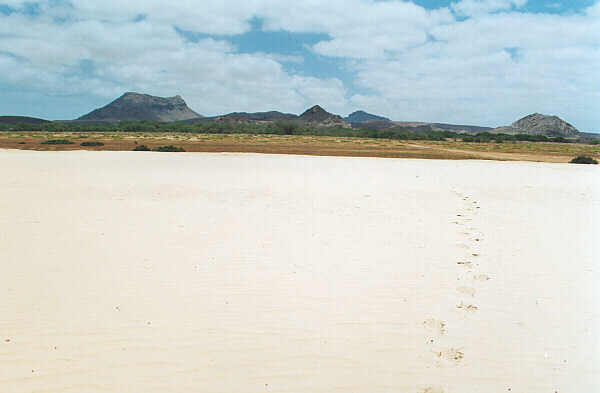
x,y
466,291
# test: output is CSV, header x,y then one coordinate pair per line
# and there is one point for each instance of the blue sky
x,y
481,62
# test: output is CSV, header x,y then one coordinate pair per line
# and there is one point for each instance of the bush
x,y
92,144
583,160
169,148
21,143
141,148
57,142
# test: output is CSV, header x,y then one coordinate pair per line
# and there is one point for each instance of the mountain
x,y
319,117
360,116
538,124
21,119
135,106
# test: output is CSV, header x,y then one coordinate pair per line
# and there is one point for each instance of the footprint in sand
x,y
466,307
431,389
451,355
435,326
466,290
481,277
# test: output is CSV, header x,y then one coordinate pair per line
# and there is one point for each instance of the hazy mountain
x,y
21,119
538,124
319,117
360,116
135,106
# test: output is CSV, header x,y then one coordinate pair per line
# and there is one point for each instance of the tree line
x,y
284,128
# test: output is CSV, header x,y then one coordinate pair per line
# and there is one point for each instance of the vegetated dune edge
x,y
310,145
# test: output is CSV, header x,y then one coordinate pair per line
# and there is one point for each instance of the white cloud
x,y
150,56
467,75
480,7
359,29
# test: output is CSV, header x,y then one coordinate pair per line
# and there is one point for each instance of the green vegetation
x,y
583,160
57,142
169,148
94,143
21,143
485,137
282,128
141,148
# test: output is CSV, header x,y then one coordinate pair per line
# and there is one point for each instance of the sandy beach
x,y
244,273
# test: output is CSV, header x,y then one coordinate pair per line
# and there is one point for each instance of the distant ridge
x,y
21,119
244,117
538,124
135,106
360,116
420,126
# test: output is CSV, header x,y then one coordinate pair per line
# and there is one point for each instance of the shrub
x,y
583,160
141,148
92,144
21,143
169,148
57,142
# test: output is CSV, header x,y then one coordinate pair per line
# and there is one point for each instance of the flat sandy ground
x,y
158,272
305,145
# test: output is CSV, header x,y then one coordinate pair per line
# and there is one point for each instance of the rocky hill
x,y
319,117
135,106
362,116
538,124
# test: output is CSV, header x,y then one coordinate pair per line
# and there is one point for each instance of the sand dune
x,y
157,272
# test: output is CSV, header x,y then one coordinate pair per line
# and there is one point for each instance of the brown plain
x,y
307,145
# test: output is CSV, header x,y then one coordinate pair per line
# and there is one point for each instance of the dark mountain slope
x,y
360,116
21,119
135,106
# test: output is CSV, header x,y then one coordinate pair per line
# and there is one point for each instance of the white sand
x,y
156,272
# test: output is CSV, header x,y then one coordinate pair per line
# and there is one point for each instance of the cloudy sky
x,y
481,62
